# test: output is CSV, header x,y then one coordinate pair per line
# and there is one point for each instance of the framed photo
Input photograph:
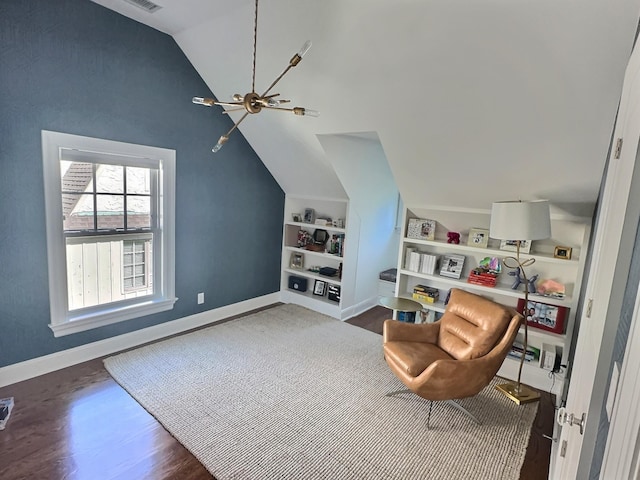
x,y
309,215
451,266
333,293
296,260
562,252
421,228
297,217
544,316
319,288
510,245
478,237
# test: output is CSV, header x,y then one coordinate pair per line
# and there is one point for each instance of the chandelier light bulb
x,y
305,48
306,112
221,141
207,102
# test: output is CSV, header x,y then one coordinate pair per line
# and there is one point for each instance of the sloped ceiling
x,y
473,100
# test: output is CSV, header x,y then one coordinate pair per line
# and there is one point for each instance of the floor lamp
x,y
518,221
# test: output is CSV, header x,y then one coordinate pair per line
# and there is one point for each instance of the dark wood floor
x,y
77,423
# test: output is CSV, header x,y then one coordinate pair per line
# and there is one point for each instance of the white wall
x,y
361,165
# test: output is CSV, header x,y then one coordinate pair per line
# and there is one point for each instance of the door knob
x,y
563,417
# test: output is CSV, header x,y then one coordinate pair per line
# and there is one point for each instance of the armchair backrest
x,y
471,325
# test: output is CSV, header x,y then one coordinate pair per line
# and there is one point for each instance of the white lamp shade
x,y
515,220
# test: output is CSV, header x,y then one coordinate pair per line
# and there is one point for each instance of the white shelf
x,y
507,292
325,208
313,253
574,233
493,252
312,275
328,228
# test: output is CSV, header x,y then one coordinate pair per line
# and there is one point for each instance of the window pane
x,y
110,212
76,176
138,212
110,179
138,180
78,213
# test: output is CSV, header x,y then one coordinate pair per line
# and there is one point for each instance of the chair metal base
x,y
452,403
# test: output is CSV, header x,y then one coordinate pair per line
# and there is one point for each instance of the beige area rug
x,y
288,393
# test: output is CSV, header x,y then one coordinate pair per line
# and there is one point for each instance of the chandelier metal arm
x,y
229,104
246,114
277,80
255,44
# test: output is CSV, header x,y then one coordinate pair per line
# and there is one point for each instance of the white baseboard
x,y
66,358
359,308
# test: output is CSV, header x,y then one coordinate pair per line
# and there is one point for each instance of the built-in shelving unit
x,y
567,231
335,210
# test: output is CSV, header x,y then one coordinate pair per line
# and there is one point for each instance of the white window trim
x,y
64,322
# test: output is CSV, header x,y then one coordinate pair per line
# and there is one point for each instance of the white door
x,y
621,454
600,277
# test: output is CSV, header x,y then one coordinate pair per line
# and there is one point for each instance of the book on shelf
x,y
414,261
6,405
531,353
425,294
428,263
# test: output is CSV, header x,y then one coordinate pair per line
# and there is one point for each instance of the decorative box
x,y
297,283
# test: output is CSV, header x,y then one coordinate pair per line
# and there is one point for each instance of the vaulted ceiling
x,y
472,100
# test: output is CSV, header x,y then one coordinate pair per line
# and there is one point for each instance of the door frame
x,y
600,299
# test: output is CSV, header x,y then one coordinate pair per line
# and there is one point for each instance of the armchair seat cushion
x,y
414,357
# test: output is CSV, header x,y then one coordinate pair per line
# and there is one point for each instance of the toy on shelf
x,y
551,288
531,282
453,237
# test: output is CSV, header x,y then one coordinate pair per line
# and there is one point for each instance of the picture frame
x,y
309,215
544,316
319,288
333,293
562,252
478,237
297,217
510,245
296,261
451,266
421,228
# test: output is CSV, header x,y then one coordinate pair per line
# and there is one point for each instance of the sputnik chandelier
x,y
252,102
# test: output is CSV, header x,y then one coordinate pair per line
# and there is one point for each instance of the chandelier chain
x,y
255,43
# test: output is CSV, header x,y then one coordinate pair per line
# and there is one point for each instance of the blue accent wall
x,y
73,66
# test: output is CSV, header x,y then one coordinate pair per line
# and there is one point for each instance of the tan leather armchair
x,y
458,355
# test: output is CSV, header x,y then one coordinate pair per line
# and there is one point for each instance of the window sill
x,y
80,323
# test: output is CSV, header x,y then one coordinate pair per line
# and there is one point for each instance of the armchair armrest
x,y
395,331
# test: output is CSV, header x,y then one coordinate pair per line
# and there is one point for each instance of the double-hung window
x,y
110,230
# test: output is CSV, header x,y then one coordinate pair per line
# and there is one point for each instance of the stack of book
x,y
481,277
531,353
422,293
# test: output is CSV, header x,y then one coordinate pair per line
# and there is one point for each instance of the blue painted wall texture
x,y
73,66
